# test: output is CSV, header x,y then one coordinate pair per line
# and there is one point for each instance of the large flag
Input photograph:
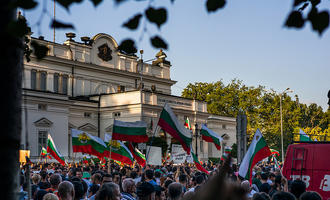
x,y
197,163
169,123
257,151
187,123
52,150
303,136
209,136
118,150
44,154
86,143
130,131
138,156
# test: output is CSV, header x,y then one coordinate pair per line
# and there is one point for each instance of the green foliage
x,y
262,109
233,152
158,142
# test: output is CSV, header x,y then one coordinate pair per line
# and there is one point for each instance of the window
x,y
136,83
224,126
43,81
65,84
33,79
56,82
42,140
87,115
42,107
116,114
121,88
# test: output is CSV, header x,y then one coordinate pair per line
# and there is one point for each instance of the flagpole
x,y
109,168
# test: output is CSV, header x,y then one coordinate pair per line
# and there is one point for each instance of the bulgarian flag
x,y
187,123
198,164
210,136
52,150
169,123
138,156
257,151
118,150
86,143
274,152
303,136
44,153
226,153
130,131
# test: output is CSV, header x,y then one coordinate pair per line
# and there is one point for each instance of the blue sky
x,y
245,40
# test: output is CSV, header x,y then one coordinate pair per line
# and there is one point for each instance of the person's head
x,y
283,196
40,194
160,193
183,179
43,175
133,174
145,191
246,186
78,190
97,178
79,174
297,188
93,189
264,176
107,178
188,195
272,177
55,180
108,191
128,185
66,191
72,172
175,191
116,177
50,196
260,196
36,179
310,196
199,179
149,174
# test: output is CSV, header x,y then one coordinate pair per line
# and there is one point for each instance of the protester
x,y
66,191
175,191
108,191
129,189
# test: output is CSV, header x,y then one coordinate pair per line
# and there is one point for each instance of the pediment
x,y
43,122
88,127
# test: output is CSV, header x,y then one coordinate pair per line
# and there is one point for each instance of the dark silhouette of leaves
x,y
19,27
158,42
297,2
119,1
127,46
315,2
214,5
40,51
133,23
319,20
60,25
303,7
96,2
295,19
26,4
157,16
67,3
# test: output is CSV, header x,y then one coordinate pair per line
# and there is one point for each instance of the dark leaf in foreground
x,y
60,25
127,46
96,2
19,27
157,16
320,21
26,4
158,42
40,51
297,2
315,2
133,23
214,5
295,19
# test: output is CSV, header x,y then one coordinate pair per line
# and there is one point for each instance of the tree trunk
x,y
11,55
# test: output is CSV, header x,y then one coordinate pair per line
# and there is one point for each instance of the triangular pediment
x,y
109,129
88,127
43,122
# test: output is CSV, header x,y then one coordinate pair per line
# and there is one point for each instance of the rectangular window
x,y
33,79
56,82
136,83
65,84
87,115
42,140
42,107
224,126
43,81
121,88
116,114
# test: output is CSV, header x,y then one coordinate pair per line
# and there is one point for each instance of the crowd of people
x,y
51,181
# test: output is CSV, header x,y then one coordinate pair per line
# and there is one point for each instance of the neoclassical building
x,y
86,85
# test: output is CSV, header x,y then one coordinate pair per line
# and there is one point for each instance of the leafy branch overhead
x,y
158,16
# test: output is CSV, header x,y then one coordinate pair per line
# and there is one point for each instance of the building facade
x,y
86,85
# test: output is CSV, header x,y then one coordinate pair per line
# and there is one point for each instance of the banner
x,y
179,155
154,156
23,154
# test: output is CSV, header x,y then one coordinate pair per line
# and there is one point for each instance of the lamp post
x,y
196,142
281,94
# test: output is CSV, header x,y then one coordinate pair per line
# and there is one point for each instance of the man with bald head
x,y
66,191
175,191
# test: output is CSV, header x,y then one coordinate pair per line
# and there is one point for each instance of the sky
x,y
246,40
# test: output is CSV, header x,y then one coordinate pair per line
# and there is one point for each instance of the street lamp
x,y
287,90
